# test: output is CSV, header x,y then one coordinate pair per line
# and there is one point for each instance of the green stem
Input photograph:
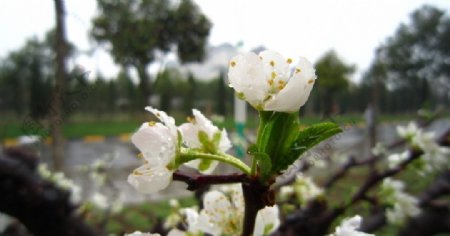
x,y
186,156
263,116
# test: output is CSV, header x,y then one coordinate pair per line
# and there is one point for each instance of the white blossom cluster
x,y
349,227
401,205
61,181
223,214
159,144
434,156
303,189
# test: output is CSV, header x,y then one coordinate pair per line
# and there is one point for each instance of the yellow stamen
x,y
281,86
274,75
270,81
272,63
140,155
310,81
289,60
297,70
232,63
151,123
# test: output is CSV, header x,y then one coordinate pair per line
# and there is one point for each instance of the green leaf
x,y
252,149
305,140
216,138
203,137
279,132
207,145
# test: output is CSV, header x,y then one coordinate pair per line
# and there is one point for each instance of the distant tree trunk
x,y
423,93
189,100
58,90
221,96
328,103
144,83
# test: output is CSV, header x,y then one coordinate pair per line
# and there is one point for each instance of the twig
x,y
198,181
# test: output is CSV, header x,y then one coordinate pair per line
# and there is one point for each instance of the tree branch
x,y
198,181
41,206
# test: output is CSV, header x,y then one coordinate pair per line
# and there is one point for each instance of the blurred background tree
x,y
137,30
334,77
416,59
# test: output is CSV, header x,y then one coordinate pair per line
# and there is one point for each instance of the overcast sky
x,y
354,28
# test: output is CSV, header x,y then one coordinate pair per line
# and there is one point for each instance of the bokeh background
x,y
74,92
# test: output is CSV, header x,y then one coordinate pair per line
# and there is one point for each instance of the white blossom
x,y
434,156
174,203
305,189
402,205
409,131
117,204
139,233
5,220
190,133
100,201
286,192
191,220
396,158
157,143
379,149
223,214
349,227
150,179
267,221
267,82
61,181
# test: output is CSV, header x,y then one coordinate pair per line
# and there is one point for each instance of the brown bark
x,y
58,90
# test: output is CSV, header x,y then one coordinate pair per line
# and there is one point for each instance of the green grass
x,y
113,125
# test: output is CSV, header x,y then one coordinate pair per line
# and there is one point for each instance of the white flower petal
x,y
404,205
176,232
267,217
246,76
167,120
297,89
216,206
155,142
192,219
204,225
225,143
190,135
204,124
139,233
190,131
100,201
349,228
150,179
274,62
